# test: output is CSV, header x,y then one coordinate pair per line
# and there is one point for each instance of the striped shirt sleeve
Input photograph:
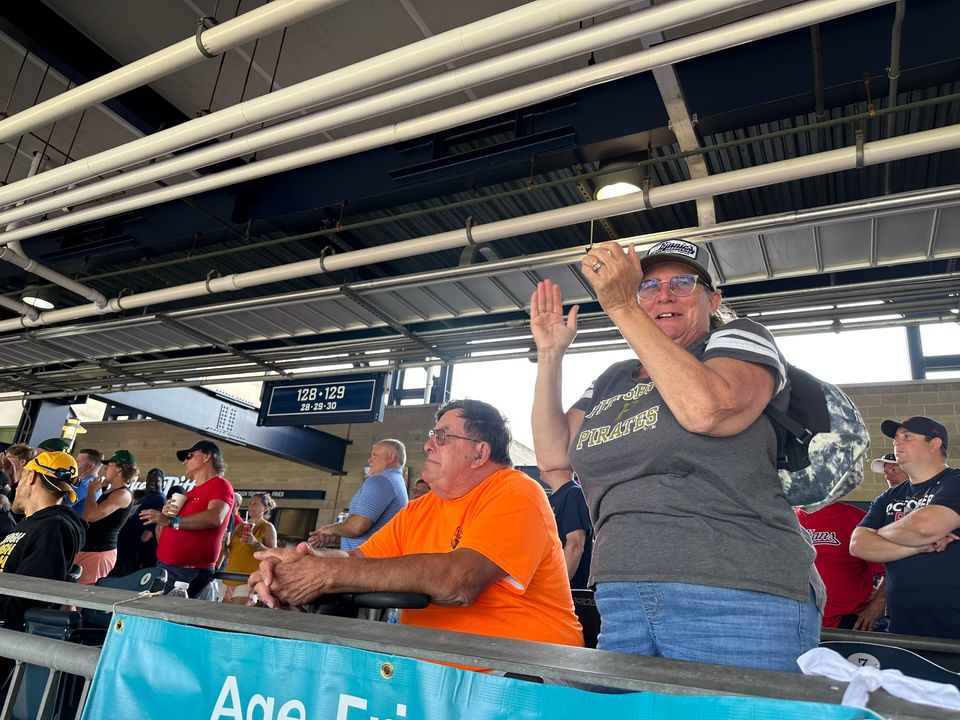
x,y
749,341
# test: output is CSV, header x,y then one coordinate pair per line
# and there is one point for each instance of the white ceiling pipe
x,y
665,54
18,307
860,209
215,40
490,32
593,38
15,255
881,151
8,254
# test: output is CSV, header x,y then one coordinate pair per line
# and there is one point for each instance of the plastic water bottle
x,y
179,589
393,615
342,515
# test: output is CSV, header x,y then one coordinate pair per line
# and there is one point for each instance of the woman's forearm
x,y
551,432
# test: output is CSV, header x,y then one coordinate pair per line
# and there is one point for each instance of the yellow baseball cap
x,y
58,470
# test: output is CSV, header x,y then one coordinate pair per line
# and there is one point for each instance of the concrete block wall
x,y
937,399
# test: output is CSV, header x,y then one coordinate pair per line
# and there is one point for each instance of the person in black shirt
x,y
573,524
136,544
44,543
913,528
106,515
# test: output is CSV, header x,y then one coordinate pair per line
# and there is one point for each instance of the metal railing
x,y
59,657
580,666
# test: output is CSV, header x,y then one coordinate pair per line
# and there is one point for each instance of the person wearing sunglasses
x,y
482,543
678,466
189,538
50,535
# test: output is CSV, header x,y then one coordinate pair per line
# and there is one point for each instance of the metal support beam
x,y
42,419
681,123
229,349
942,362
205,413
440,392
918,366
374,310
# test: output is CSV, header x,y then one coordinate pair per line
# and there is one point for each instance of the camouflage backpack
x,y
821,442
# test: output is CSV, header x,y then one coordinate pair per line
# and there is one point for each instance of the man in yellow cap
x,y
45,542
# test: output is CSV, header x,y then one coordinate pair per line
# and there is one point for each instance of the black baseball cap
x,y
204,446
916,424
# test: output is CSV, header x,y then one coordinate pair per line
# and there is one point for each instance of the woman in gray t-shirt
x,y
698,555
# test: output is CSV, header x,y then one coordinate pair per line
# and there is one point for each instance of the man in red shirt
x,y
852,603
189,541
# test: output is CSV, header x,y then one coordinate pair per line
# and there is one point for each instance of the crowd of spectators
x,y
693,552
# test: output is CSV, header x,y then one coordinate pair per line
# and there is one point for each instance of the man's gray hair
x,y
396,447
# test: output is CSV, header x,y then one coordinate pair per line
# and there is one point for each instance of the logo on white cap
x,y
675,247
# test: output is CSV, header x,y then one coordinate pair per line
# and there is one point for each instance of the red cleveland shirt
x,y
849,580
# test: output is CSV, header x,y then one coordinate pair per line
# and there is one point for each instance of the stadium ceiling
x,y
212,190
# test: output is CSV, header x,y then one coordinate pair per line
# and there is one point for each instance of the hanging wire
x,y
46,143
246,78
16,81
73,140
223,57
273,77
16,150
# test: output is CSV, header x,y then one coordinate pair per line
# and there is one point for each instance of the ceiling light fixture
x,y
42,297
620,176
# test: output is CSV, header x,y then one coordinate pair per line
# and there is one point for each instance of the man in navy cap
x,y
913,528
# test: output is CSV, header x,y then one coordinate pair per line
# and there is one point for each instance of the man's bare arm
x,y
454,578
573,550
922,526
867,544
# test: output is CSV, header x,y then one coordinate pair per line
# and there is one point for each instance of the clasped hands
x,y
288,578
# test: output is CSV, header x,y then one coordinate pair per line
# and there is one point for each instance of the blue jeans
x,y
706,624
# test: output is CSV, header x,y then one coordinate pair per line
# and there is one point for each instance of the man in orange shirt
x,y
483,544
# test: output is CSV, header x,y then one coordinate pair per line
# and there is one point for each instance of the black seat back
x,y
148,579
586,608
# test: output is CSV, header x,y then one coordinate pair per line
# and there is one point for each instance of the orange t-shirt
x,y
508,520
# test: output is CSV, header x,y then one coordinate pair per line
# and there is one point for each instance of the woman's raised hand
x,y
615,275
550,332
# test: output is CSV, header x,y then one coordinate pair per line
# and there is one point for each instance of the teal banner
x,y
156,669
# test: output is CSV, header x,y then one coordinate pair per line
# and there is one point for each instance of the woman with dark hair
x,y
254,535
106,515
698,555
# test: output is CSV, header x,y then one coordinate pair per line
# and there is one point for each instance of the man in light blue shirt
x,y
382,495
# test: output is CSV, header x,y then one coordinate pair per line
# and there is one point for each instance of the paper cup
x,y
177,502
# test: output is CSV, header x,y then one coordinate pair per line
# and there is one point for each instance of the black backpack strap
x,y
802,434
